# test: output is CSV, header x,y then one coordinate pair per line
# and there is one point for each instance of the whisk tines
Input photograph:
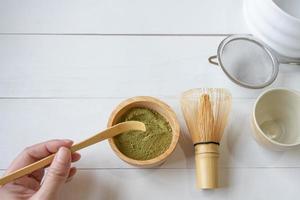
x,y
206,112
206,120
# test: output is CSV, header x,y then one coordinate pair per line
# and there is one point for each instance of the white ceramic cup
x,y
276,119
276,23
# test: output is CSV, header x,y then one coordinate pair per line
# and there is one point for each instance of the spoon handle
x,y
108,133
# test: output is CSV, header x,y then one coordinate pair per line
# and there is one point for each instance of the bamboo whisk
x,y
206,112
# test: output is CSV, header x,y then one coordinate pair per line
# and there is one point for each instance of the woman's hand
x,y
31,186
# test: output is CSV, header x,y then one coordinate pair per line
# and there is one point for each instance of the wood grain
x,y
58,57
122,17
28,121
82,66
180,184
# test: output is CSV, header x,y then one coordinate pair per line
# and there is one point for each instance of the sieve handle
x,y
288,60
213,60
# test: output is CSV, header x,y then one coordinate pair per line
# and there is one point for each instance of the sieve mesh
x,y
247,62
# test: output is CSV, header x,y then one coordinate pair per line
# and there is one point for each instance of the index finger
x,y
36,152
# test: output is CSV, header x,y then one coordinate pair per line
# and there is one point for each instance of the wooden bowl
x,y
156,105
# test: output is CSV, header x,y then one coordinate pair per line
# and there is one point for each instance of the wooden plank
x,y
29,121
177,184
82,66
125,17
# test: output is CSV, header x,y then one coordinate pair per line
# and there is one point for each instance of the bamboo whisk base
x,y
206,159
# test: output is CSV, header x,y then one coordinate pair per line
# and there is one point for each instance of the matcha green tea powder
x,y
145,145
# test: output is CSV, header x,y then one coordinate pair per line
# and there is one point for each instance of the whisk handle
x,y
206,159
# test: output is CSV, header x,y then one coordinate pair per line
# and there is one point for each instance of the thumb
x,y
57,174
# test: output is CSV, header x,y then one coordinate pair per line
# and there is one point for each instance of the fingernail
x,y
68,141
62,154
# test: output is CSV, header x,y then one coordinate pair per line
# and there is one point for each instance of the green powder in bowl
x,y
145,145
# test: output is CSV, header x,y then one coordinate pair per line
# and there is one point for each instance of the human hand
x,y
31,187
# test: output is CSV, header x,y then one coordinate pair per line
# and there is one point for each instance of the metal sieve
x,y
249,62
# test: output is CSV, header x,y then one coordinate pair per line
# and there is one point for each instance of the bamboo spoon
x,y
108,133
206,112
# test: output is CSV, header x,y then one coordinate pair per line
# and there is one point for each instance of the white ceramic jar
x,y
277,23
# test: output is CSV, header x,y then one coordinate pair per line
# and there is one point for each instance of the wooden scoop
x,y
108,133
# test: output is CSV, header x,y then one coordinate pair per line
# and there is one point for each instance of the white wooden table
x,y
65,65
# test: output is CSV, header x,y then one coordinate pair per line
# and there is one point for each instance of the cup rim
x,y
175,131
257,125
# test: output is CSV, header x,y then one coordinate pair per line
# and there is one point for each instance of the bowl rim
x,y
261,27
255,120
175,130
286,14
